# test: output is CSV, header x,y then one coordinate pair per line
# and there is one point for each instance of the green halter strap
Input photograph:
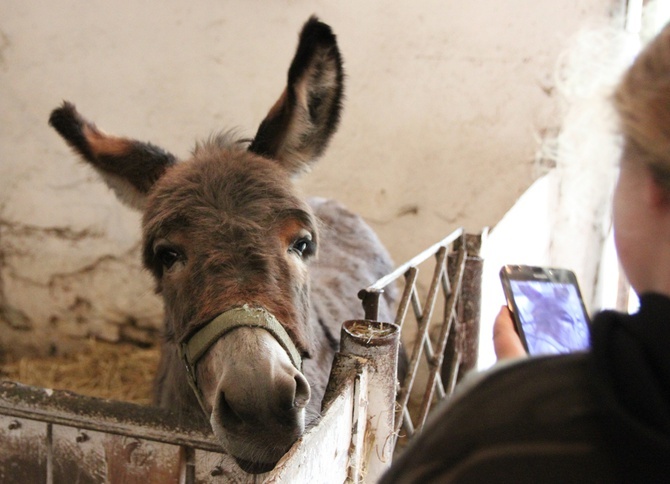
x,y
195,346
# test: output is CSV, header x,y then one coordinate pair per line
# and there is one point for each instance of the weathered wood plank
x,y
78,456
135,461
322,454
212,467
23,451
122,418
86,456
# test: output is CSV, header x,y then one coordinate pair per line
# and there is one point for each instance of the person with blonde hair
x,y
601,415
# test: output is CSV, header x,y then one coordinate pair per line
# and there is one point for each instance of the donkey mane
x,y
229,139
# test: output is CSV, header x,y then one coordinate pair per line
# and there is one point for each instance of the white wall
x,y
446,102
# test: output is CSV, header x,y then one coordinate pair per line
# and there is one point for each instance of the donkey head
x,y
228,242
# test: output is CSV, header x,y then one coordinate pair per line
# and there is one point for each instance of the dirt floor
x,y
115,371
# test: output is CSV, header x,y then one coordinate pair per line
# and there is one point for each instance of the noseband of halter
x,y
195,346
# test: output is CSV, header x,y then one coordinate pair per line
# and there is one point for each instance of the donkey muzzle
x,y
195,346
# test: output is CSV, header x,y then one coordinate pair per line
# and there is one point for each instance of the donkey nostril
x,y
226,412
302,391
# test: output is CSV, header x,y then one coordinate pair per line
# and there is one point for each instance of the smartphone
x,y
547,308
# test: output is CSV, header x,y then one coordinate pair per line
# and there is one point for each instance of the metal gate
x,y
445,341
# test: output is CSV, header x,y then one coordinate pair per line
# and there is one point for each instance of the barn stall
x,y
56,436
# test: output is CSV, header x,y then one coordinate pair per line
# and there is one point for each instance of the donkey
x,y
255,280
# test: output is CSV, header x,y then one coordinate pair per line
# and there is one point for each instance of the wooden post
x,y
464,338
377,344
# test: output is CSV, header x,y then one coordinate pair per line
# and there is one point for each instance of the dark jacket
x,y
600,416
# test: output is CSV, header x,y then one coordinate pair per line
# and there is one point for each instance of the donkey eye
x,y
167,255
303,246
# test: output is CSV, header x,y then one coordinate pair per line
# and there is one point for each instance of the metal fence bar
x,y
408,295
415,355
381,283
431,299
50,455
423,346
435,363
452,377
454,335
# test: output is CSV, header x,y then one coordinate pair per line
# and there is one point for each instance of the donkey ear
x,y
300,124
129,167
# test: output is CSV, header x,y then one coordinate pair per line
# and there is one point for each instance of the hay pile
x,y
118,371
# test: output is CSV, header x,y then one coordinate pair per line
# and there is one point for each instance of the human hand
x,y
506,341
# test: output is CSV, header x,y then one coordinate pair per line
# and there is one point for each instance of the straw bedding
x,y
119,371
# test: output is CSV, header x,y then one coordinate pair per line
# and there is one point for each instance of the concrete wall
x,y
446,102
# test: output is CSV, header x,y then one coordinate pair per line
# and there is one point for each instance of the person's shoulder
x,y
521,396
517,392
535,374
535,410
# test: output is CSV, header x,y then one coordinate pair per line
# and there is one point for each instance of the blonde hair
x,y
642,100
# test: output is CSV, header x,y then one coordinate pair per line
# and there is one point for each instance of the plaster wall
x,y
445,104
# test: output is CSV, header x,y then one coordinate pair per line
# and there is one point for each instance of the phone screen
x,y
548,309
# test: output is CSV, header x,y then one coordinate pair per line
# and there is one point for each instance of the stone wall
x,y
445,104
